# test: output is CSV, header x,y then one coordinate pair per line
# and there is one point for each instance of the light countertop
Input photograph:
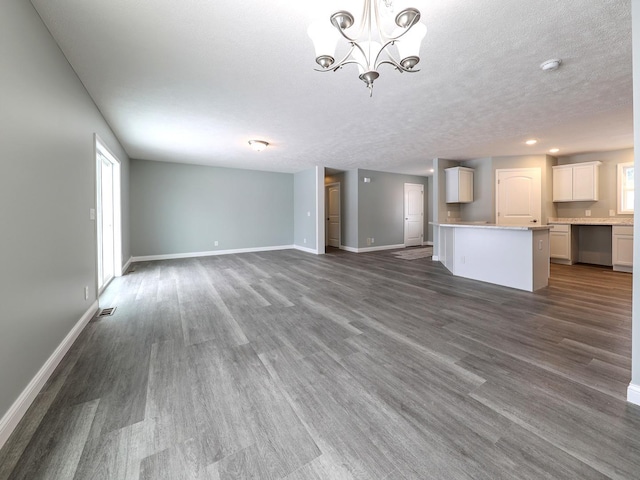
x,y
492,226
590,221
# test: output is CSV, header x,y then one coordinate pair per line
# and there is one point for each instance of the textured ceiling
x,y
193,80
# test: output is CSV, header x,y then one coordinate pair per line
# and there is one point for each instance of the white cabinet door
x,y
458,185
576,182
562,245
585,182
622,248
559,245
562,184
465,182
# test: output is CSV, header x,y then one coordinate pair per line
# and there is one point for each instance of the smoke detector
x,y
551,65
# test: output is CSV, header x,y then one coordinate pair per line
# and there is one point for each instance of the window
x,y
625,187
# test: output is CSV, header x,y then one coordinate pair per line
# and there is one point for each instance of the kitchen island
x,y
515,256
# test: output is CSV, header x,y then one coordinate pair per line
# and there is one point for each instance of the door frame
x,y
326,210
497,189
404,212
100,151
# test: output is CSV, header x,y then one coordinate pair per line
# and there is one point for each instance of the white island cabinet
x,y
510,255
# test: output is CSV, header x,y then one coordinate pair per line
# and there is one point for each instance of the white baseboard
x,y
127,265
173,256
427,244
306,249
633,394
12,417
371,249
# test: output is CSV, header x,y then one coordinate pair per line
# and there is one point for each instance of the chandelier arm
x,y
383,49
393,39
389,38
364,54
366,19
338,66
383,36
347,37
397,66
345,60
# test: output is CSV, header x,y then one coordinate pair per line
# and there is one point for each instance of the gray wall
x,y
430,205
349,191
444,211
635,353
304,208
381,207
47,186
179,208
483,207
608,184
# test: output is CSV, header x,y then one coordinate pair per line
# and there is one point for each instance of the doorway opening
x,y
333,231
108,215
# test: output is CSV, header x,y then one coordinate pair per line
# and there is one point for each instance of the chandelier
x,y
370,40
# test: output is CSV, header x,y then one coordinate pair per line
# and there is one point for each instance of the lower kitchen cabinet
x,y
622,248
563,246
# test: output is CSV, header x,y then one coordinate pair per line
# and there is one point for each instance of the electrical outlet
x,y
92,214
305,240
215,244
462,260
373,240
539,244
448,213
368,241
86,293
308,214
587,213
612,213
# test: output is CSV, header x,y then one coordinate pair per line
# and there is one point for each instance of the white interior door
x,y
413,214
333,215
106,221
518,196
108,216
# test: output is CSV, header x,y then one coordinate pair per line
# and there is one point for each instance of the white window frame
x,y
622,189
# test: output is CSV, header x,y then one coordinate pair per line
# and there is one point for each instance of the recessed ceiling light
x,y
551,65
531,142
554,150
258,145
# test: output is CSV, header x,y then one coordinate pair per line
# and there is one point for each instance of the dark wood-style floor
x,y
284,365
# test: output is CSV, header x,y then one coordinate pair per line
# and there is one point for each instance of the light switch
x,y
587,213
308,214
92,214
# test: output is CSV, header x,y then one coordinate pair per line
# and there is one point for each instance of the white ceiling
x,y
193,80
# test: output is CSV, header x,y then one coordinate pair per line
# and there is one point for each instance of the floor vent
x,y
106,312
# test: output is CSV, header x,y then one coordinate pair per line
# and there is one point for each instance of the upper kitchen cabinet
x,y
459,185
576,182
